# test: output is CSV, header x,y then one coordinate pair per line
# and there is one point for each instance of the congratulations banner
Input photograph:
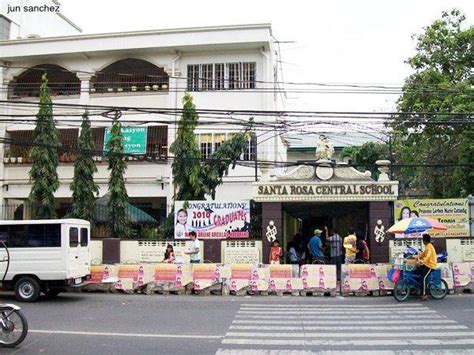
x,y
212,219
453,213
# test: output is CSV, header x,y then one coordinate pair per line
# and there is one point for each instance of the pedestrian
x,y
293,257
169,255
315,246
193,251
363,252
350,245
335,250
275,252
427,262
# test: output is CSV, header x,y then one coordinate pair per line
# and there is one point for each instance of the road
x,y
94,323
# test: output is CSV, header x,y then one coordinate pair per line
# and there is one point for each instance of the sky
x,y
337,41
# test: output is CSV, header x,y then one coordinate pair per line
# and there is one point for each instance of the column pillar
x,y
85,88
379,251
271,211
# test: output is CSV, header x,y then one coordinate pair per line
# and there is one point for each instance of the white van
x,y
44,256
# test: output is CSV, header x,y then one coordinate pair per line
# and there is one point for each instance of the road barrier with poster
x,y
358,278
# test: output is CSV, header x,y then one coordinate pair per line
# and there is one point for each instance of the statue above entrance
x,y
324,148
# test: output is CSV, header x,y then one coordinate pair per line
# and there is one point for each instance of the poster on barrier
x,y
237,284
205,275
384,282
463,274
103,274
281,271
318,276
138,274
359,277
243,271
447,274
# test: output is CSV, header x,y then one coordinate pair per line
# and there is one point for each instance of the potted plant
x,y
164,86
155,87
133,88
147,87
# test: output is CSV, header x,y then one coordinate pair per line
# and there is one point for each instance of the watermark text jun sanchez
x,y
32,8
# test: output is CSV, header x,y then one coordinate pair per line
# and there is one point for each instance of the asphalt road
x,y
94,323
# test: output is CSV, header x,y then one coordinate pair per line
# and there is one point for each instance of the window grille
x,y
221,76
130,75
61,82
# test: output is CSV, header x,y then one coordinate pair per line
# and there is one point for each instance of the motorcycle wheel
x,y
13,327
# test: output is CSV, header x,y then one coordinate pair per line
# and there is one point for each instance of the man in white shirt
x,y
193,251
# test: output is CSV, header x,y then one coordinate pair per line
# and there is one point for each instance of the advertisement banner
x,y
138,275
205,275
134,140
103,274
212,219
359,277
281,271
463,274
453,213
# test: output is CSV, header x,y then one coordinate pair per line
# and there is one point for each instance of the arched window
x,y
130,75
60,82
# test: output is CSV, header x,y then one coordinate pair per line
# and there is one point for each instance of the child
x,y
275,253
169,254
181,228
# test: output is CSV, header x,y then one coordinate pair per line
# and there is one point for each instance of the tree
x,y
44,156
118,202
366,155
193,177
84,189
435,121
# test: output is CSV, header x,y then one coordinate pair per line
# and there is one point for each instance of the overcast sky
x,y
346,41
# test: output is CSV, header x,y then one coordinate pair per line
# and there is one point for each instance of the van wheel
x,y
27,289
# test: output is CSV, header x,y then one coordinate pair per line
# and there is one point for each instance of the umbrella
x,y
416,225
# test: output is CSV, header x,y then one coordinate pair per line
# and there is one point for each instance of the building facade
x,y
225,68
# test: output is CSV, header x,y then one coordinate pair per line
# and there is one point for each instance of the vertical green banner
x,y
134,140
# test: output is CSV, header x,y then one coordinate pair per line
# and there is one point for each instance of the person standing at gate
x,y
335,248
350,245
315,246
193,251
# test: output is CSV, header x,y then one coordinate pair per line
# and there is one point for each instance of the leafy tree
x,y
435,125
118,202
44,156
195,178
366,155
83,187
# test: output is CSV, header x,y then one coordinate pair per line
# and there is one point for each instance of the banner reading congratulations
x,y
212,219
453,213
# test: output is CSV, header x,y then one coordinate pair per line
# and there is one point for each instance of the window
x,y
73,237
84,237
209,143
5,25
33,236
206,77
221,76
206,145
193,77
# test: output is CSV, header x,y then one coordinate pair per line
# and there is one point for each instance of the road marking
x,y
339,352
387,317
342,308
317,322
355,342
339,327
344,335
271,305
335,312
70,332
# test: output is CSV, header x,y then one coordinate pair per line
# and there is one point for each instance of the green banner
x,y
134,140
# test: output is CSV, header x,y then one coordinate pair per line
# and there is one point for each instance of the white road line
x,y
347,352
68,332
355,342
316,316
271,305
341,327
352,334
348,308
345,322
335,312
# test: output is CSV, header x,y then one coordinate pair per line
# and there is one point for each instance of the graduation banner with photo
x,y
212,219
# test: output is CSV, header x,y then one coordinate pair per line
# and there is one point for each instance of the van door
x,y
73,266
85,250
